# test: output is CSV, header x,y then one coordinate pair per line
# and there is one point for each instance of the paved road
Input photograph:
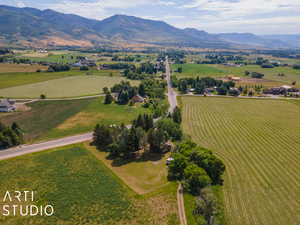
x,y
58,99
26,149
172,96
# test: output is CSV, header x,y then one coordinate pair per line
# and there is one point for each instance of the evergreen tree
x,y
102,136
156,138
108,98
176,116
142,91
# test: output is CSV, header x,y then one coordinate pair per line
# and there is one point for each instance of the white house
x,y
7,105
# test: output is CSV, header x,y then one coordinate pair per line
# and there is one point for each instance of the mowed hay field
x,y
65,87
259,141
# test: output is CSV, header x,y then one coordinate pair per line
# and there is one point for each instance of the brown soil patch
x,y
81,118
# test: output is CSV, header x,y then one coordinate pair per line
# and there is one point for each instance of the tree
x,y
84,68
176,116
179,70
123,98
195,178
210,163
296,67
177,166
102,136
142,91
156,138
169,127
108,99
43,96
106,90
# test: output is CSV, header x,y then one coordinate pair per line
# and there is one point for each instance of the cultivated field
x,y
18,79
65,87
54,119
14,68
194,70
83,191
259,143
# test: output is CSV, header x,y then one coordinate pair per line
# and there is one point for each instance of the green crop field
x,y
201,70
54,119
72,86
83,191
259,142
12,79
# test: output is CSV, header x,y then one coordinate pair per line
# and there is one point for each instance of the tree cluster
x,y
58,68
123,142
196,167
10,136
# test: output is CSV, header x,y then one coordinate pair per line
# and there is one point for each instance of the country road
x,y
26,149
172,96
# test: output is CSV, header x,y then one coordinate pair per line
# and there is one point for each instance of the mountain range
x,y
44,28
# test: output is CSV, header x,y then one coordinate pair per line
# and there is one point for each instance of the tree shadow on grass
x,y
138,158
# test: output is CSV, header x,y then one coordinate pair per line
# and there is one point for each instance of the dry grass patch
x,y
143,176
15,68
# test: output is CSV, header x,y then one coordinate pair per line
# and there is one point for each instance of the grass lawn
x,y
258,142
72,86
194,70
83,191
14,68
55,119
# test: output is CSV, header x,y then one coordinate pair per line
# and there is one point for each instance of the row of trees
x,y
200,85
58,68
10,136
198,169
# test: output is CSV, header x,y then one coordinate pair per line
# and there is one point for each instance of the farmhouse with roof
x,y
7,105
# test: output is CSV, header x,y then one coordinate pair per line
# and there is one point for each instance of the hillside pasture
x,y
258,140
55,119
73,86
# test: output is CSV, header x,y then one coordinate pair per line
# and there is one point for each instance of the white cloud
x,y
20,4
98,9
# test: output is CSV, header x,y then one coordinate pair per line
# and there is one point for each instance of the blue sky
x,y
214,16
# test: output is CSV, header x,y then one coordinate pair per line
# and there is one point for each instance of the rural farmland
x,y
259,143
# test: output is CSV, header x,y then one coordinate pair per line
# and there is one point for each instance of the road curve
x,y
26,149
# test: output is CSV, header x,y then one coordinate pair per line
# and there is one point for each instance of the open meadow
x,y
55,119
83,191
258,140
72,86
